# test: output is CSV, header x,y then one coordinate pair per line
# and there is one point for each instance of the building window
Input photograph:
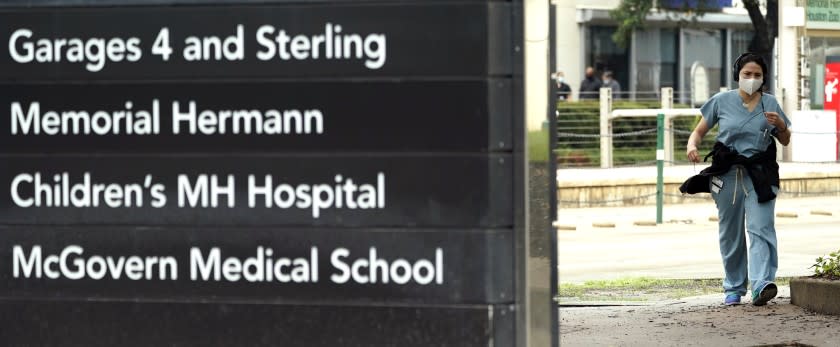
x,y
705,47
656,60
603,54
668,47
823,50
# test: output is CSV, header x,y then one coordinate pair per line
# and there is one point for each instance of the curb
x,y
605,303
787,215
815,294
558,226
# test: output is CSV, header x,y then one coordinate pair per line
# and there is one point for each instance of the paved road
x,y
685,245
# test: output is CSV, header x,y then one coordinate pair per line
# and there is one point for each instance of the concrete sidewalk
x,y
700,211
615,242
698,321
686,244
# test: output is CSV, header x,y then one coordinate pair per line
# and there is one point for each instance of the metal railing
x,y
579,130
611,133
589,131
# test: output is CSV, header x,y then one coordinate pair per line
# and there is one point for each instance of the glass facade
x,y
823,49
656,60
663,57
705,47
603,54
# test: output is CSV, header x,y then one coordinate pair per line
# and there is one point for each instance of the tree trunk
x,y
766,30
762,42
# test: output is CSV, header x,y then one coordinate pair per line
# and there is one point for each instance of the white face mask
x,y
749,85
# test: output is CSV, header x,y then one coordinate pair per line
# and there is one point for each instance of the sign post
x,y
253,174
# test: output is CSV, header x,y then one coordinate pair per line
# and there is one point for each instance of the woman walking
x,y
743,178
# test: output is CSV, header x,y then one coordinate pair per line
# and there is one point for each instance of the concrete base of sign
x,y
92,323
819,295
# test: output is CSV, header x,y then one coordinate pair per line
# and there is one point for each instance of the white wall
x,y
569,46
537,76
568,37
788,60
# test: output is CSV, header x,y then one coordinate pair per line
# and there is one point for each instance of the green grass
x,y
538,146
642,289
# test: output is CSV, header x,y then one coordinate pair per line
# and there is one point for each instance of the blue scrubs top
x,y
746,132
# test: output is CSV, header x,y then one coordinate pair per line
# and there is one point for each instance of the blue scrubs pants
x,y
739,214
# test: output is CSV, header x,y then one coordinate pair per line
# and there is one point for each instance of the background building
x,y
660,56
822,51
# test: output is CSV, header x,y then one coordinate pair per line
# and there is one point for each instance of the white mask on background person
x,y
561,79
749,85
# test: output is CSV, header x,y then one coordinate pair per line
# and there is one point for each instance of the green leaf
x,y
828,267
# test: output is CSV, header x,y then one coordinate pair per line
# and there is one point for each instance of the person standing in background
x,y
610,82
590,85
564,92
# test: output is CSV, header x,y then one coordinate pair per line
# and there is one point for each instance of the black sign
x,y
237,190
427,266
270,117
306,173
255,42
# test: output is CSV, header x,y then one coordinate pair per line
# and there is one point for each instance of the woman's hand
x,y
692,154
783,133
774,120
694,140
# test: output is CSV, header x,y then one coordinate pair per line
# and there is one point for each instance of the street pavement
x,y
685,245
698,321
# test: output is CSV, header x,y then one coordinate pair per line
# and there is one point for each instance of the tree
x,y
630,15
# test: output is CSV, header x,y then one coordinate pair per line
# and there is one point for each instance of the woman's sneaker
x,y
764,292
732,299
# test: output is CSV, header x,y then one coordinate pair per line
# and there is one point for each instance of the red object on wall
x,y
831,97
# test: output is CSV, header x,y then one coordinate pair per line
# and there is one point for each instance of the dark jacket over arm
x,y
762,169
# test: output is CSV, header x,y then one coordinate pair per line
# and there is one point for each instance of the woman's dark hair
x,y
749,57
